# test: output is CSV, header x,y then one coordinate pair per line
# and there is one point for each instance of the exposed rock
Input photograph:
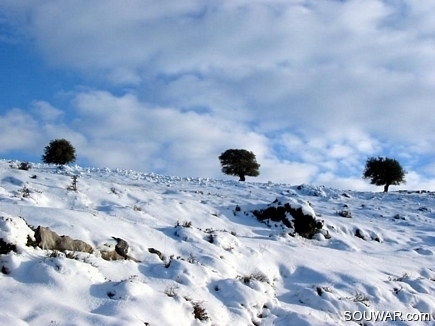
x,y
312,190
117,253
399,217
48,239
111,255
157,252
122,247
360,234
345,213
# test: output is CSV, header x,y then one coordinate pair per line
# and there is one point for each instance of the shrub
x,y
305,225
199,311
60,152
257,275
171,291
73,185
6,247
24,166
362,298
185,224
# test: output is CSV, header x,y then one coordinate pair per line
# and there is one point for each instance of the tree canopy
x,y
384,171
239,162
60,152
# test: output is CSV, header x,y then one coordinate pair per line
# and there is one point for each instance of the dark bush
x,y
6,248
305,225
24,166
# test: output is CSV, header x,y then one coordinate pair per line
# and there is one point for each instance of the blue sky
x,y
312,87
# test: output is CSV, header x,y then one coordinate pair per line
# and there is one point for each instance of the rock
x,y
48,239
120,253
122,247
111,255
157,252
360,234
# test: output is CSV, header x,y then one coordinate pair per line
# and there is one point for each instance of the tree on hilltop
x,y
60,152
384,171
239,162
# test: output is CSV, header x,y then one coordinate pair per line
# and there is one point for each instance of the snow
x,y
216,256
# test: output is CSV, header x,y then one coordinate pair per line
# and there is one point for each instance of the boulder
x,y
111,255
48,239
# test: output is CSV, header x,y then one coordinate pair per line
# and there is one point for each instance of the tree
x,y
239,162
60,152
384,171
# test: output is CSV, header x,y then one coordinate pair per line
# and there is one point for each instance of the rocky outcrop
x,y
156,252
48,239
120,253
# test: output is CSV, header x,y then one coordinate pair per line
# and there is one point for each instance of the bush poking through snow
x,y
398,279
257,275
54,254
25,192
297,216
192,259
71,255
20,165
6,248
185,224
359,297
24,166
199,311
171,291
73,185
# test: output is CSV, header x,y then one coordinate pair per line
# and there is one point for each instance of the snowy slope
x,y
217,260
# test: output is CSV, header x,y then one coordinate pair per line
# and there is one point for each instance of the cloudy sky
x,y
312,87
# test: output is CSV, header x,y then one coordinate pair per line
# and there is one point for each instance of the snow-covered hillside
x,y
211,261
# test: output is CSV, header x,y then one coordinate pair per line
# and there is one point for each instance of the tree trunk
x,y
242,177
386,187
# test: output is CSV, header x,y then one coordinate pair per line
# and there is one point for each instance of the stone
x,y
50,240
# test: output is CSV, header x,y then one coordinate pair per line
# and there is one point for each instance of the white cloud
x,y
18,130
136,135
350,183
416,181
46,111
